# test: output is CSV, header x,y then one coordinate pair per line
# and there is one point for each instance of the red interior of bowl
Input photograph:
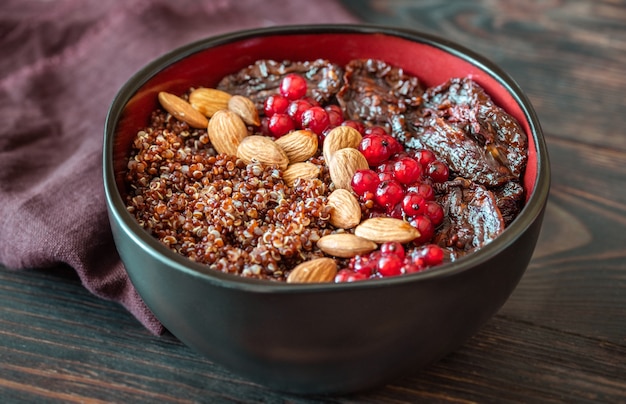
x,y
432,65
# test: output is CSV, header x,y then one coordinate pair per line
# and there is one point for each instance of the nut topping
x,y
209,100
303,170
226,130
182,110
245,108
346,211
300,145
262,149
319,270
345,245
386,229
338,138
343,164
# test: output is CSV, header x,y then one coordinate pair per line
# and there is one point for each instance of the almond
x,y
386,229
245,108
226,130
303,170
340,137
343,164
314,271
262,149
209,100
345,245
182,110
300,145
346,211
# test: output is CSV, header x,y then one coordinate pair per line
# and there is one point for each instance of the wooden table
x,y
561,337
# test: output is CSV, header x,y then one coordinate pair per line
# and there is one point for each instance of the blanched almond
x,y
386,229
346,211
338,138
300,145
226,130
345,245
319,270
303,170
245,108
182,110
209,100
262,149
343,164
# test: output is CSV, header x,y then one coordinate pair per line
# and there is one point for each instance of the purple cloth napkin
x,y
61,64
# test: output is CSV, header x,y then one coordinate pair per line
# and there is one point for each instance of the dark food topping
x,y
478,140
379,94
472,218
258,81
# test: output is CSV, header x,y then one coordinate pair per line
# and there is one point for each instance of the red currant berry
x,y
293,86
315,119
346,275
365,264
296,108
435,212
375,148
386,176
394,146
280,124
395,211
425,227
364,181
354,124
335,115
412,268
265,128
390,265
438,171
424,157
389,193
413,204
432,254
275,104
407,170
392,248
375,130
424,190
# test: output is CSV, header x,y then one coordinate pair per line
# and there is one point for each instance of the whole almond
x,y
209,100
319,270
300,145
182,110
386,229
226,130
346,211
343,164
303,170
345,245
245,108
262,149
340,137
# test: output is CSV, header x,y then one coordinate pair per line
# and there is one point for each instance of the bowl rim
x,y
116,207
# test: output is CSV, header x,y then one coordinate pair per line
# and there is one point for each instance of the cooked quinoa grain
x,y
216,210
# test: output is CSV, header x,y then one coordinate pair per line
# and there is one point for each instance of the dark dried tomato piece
x,y
379,94
479,140
472,218
261,79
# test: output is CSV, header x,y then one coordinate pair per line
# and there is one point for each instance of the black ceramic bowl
x,y
321,338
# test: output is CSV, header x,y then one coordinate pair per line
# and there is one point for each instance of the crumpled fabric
x,y
61,64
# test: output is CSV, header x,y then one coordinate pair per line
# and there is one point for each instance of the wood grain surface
x,y
561,337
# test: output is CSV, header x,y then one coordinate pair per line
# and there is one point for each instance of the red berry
x,y
296,108
413,204
280,124
390,265
375,148
424,190
315,119
335,115
293,86
375,130
395,211
365,264
424,157
438,171
394,146
389,193
412,267
386,176
275,104
435,212
432,254
392,248
354,124
407,170
346,275
364,181
424,225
